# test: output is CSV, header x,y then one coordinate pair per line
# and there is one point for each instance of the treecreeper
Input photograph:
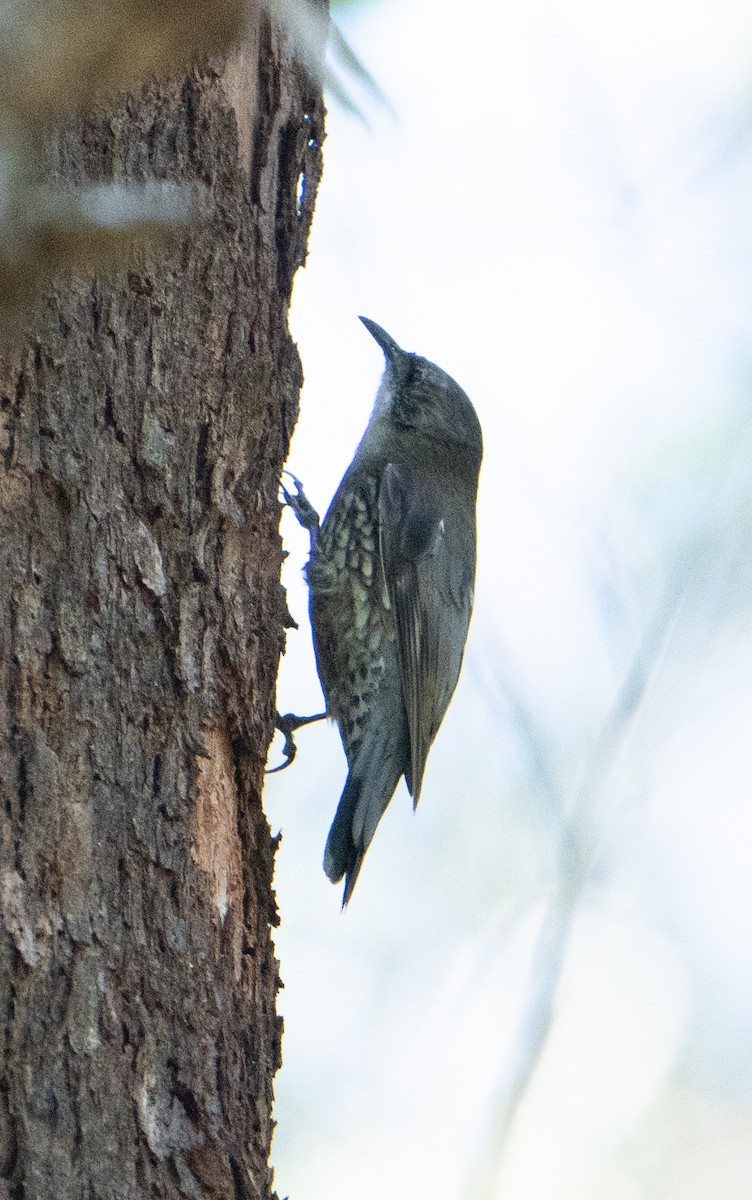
x,y
391,577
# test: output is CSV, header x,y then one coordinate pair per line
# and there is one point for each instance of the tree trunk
x,y
143,430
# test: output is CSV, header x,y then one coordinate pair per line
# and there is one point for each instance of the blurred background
x,y
542,986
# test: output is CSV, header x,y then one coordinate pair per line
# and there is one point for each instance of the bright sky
x,y
559,216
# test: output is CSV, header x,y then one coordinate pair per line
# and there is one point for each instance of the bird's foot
x,y
288,724
301,506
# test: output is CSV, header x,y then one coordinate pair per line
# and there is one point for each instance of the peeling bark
x,y
143,429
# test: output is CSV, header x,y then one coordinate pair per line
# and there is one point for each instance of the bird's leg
x,y
309,519
287,725
302,507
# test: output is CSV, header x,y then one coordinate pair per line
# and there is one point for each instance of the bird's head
x,y
418,397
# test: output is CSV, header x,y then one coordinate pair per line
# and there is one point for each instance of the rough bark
x,y
143,430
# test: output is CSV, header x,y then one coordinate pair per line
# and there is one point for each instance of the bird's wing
x,y
428,562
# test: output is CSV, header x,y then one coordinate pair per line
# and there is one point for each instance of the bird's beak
x,y
387,343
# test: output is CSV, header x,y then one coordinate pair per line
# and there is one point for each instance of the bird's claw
x,y
301,506
287,725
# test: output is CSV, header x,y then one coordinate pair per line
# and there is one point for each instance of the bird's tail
x,y
361,807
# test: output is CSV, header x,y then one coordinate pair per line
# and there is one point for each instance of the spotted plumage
x,y
391,579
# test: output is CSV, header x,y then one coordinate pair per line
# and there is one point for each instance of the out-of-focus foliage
x,y
345,7
61,54
345,74
56,57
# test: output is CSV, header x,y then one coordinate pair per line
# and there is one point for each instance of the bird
x,y
391,579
